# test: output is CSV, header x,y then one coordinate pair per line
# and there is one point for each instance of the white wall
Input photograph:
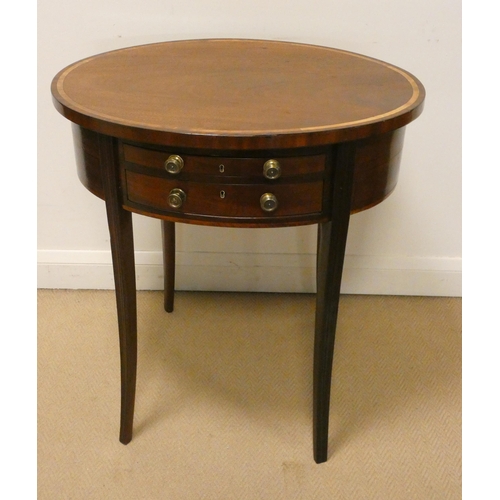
x,y
410,244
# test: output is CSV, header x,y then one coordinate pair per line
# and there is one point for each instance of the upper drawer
x,y
227,166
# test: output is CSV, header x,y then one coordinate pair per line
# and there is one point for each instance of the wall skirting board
x,y
250,272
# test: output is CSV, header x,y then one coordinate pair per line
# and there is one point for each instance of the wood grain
x,y
231,166
237,94
334,119
376,165
240,200
122,251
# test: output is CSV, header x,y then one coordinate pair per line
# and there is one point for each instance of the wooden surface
x,y
122,252
334,120
376,167
241,94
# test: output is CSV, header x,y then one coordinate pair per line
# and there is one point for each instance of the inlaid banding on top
x,y
237,89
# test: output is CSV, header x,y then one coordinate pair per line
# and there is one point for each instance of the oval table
x,y
238,133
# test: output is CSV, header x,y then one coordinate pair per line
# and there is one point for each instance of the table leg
x,y
122,251
332,237
168,238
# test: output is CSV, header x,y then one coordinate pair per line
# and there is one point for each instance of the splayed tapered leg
x,y
168,239
122,251
332,237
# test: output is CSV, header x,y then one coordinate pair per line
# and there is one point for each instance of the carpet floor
x,y
224,397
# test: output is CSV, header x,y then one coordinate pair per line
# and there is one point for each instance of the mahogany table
x,y
239,133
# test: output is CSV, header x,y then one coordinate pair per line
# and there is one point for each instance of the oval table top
x,y
241,94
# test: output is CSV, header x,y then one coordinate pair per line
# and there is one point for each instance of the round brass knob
x,y
176,198
268,202
174,164
272,169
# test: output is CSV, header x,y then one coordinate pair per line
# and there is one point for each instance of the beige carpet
x,y
224,399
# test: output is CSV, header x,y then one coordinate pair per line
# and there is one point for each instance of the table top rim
x,y
308,135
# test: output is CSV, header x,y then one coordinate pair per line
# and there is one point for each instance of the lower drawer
x,y
223,200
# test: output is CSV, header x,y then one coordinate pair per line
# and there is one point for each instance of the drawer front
x,y
223,199
224,166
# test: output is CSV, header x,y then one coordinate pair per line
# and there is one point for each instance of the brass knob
x,y
272,169
176,198
174,164
268,202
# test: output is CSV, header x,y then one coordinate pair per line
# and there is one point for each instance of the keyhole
x,y
222,194
221,169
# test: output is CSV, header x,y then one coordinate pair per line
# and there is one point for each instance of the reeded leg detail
x,y
168,238
122,251
332,237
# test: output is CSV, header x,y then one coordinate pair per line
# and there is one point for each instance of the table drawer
x,y
289,166
224,199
